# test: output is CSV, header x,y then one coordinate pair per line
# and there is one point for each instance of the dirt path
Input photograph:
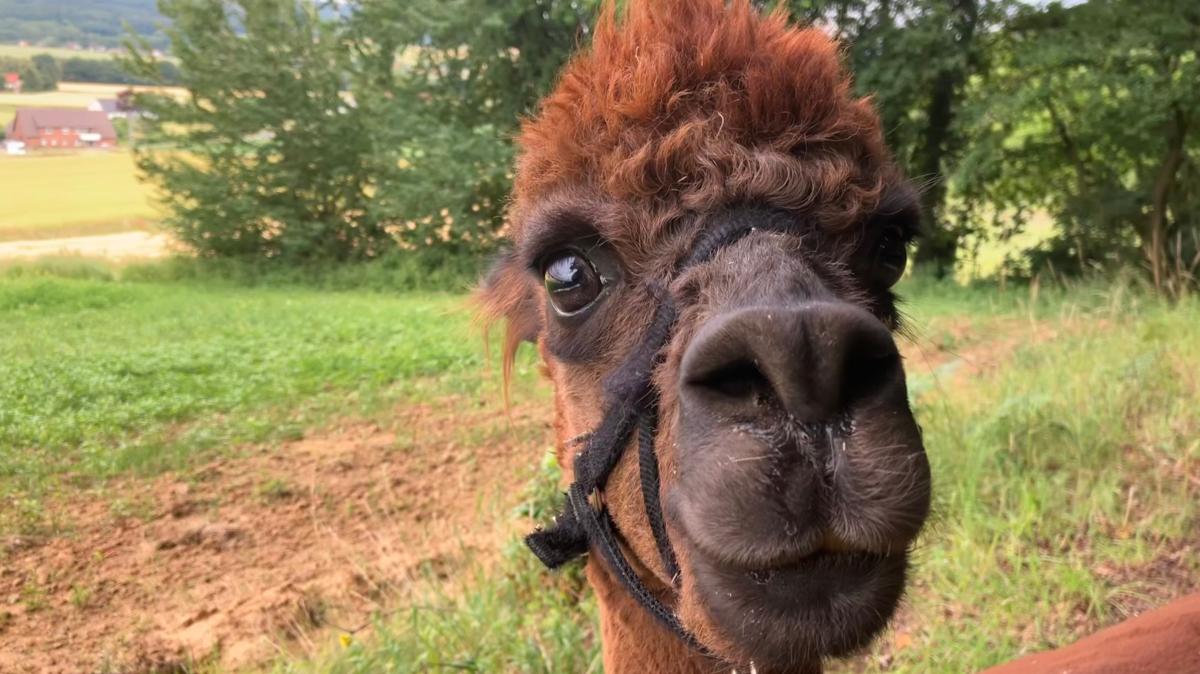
x,y
112,246
246,557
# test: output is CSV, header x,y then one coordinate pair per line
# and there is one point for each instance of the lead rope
x,y
632,403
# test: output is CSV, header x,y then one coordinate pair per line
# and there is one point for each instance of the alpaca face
x,y
794,480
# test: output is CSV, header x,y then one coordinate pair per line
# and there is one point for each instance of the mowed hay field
x,y
55,195
204,476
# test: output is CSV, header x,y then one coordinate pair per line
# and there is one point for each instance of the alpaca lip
x,y
820,562
815,548
826,603
813,578
828,555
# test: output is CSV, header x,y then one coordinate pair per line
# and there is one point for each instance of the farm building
x,y
121,107
12,82
61,128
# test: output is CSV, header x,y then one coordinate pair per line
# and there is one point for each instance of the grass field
x,y
1061,427
47,196
69,194
28,51
131,366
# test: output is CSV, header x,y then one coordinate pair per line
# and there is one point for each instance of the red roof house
x,y
12,82
61,128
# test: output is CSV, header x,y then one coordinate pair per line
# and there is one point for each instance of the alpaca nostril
x,y
740,380
868,372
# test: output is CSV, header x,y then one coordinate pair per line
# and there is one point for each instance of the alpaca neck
x,y
633,641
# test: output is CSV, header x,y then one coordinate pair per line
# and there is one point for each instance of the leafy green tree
x,y
47,70
110,72
270,153
1093,114
916,58
308,134
465,72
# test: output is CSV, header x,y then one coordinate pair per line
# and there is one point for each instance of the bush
x,y
426,270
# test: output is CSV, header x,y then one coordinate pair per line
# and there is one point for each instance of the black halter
x,y
631,404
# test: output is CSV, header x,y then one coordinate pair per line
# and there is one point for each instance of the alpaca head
x,y
793,477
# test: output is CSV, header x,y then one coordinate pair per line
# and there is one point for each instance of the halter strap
x,y
632,405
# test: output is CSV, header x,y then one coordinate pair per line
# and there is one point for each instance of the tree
x,y
270,153
85,22
106,71
916,58
1092,114
465,73
310,133
47,71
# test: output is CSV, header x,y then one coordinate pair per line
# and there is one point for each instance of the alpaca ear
x,y
509,294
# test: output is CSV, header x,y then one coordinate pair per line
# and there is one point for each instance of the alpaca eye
x,y
891,257
572,282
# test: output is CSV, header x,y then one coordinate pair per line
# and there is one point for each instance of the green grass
x,y
1070,461
29,51
100,377
47,196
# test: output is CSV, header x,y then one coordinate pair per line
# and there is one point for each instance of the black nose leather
x,y
814,360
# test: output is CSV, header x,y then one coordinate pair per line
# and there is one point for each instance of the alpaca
x,y
705,231
1163,641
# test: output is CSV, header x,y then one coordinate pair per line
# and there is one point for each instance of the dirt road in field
x,y
111,246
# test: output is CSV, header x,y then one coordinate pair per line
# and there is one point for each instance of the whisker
x,y
751,458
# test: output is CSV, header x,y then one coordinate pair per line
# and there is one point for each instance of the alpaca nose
x,y
814,360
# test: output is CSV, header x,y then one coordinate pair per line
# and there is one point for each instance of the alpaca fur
x,y
678,108
1162,641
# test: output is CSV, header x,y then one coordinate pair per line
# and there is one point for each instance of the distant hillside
x,y
94,23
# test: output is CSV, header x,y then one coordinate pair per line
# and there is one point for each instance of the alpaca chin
x,y
786,619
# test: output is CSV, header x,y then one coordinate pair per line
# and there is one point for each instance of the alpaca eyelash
x,y
555,232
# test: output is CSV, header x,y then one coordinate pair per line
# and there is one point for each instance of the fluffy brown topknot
x,y
700,102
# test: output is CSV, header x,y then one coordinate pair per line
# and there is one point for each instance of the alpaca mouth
x,y
827,603
809,584
813,581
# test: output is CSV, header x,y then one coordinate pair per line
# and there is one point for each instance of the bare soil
x,y
247,557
